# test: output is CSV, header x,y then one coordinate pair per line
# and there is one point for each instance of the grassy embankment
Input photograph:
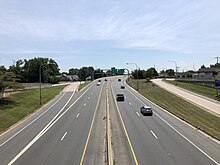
x,y
19,105
188,112
199,89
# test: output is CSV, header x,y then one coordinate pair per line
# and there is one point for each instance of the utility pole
x,y
176,69
217,61
137,73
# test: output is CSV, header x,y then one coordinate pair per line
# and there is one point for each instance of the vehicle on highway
x,y
98,83
146,110
120,97
122,87
119,79
99,80
106,79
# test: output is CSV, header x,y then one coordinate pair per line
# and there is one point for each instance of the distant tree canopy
x,y
203,66
142,74
215,66
85,72
28,70
170,72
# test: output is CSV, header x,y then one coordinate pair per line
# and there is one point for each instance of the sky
x,y
111,33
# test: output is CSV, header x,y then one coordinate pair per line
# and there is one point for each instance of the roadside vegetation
x,y
81,86
188,112
17,106
199,89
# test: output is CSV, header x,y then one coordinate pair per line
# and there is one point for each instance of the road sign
x,y
216,83
114,71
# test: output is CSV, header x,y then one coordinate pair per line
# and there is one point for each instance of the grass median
x,y
19,105
199,89
81,86
188,112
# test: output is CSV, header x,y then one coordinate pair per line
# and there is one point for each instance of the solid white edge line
x,y
33,120
63,136
77,115
49,125
154,134
137,113
173,127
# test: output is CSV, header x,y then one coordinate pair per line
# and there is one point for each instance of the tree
x,y
74,71
151,73
203,66
140,73
162,72
215,66
3,69
17,69
8,80
170,72
49,70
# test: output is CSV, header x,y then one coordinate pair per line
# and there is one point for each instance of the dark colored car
x,y
122,87
106,79
120,97
99,80
119,79
146,110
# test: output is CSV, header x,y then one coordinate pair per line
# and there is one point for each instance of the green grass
x,y
188,112
199,89
83,85
19,105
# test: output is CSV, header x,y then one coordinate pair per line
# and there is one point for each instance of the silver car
x,y
146,110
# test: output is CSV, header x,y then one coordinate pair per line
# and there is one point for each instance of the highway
x,y
72,130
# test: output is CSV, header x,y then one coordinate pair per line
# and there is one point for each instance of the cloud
x,y
183,26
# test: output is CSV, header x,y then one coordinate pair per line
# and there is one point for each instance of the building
x,y
208,73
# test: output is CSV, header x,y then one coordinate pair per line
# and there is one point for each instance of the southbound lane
x,y
64,141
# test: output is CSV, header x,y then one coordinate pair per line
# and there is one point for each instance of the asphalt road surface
x,y
72,130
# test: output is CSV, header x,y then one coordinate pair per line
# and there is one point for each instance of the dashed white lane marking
x,y
77,115
129,103
88,98
172,126
63,136
48,126
154,134
137,113
84,104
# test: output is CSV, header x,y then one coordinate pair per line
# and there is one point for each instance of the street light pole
x,y
40,68
40,83
128,72
176,69
137,74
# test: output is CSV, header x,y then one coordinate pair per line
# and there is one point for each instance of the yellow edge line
x,y
90,130
126,133
108,130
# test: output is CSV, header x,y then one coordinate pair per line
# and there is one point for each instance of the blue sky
x,y
106,33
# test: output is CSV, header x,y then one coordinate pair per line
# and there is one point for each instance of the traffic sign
x,y
217,83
